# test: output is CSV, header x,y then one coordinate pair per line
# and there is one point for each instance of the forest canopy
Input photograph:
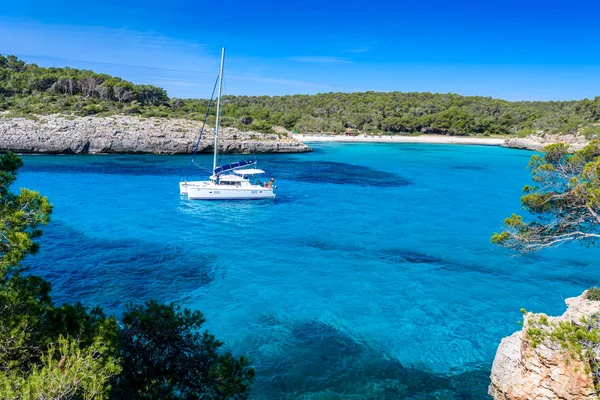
x,y
27,89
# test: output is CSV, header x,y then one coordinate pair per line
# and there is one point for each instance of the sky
x,y
513,50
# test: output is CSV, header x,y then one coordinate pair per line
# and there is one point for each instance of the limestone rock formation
x,y
537,142
524,371
128,134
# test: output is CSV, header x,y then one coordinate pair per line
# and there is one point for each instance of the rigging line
x,y
202,129
202,168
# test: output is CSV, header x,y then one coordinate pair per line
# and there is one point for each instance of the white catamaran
x,y
231,181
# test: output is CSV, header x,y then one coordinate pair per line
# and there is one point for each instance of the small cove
x,y
371,274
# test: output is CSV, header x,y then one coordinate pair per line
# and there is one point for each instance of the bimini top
x,y
234,165
249,171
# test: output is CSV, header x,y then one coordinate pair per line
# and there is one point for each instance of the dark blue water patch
x,y
326,245
337,173
399,255
110,165
580,264
471,385
468,167
419,148
316,149
141,165
324,362
389,255
573,280
477,268
110,273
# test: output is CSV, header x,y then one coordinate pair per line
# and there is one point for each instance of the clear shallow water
x,y
370,276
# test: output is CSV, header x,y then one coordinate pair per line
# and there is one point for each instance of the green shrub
x,y
591,132
133,109
228,121
260,126
91,109
593,294
524,133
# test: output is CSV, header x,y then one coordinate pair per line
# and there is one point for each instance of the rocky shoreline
x,y
537,142
522,370
57,134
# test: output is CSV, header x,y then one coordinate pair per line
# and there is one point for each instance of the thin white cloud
x,y
279,81
98,65
93,44
171,83
321,59
360,50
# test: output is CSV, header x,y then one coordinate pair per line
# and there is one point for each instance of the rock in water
x,y
128,134
546,371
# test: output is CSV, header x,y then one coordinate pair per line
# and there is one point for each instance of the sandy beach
x,y
402,139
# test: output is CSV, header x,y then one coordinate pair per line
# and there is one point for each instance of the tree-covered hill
x,y
27,89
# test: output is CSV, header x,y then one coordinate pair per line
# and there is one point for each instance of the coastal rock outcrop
x,y
537,142
523,369
129,134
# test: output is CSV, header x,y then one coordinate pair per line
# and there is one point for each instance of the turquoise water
x,y
370,276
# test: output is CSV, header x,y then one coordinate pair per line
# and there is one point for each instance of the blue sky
x,y
515,50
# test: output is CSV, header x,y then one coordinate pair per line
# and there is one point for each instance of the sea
x,y
370,276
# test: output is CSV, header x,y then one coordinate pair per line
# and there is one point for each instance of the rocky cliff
x,y
527,368
537,142
127,134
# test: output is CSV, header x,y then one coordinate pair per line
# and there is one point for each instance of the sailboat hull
x,y
210,191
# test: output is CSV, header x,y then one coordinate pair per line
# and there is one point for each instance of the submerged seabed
x,y
370,276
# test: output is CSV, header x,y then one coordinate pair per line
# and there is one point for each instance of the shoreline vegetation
x,y
29,91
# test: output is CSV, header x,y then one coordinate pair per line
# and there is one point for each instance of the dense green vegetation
x,y
27,89
50,351
593,294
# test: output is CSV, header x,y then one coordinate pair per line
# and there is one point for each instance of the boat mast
x,y
218,109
